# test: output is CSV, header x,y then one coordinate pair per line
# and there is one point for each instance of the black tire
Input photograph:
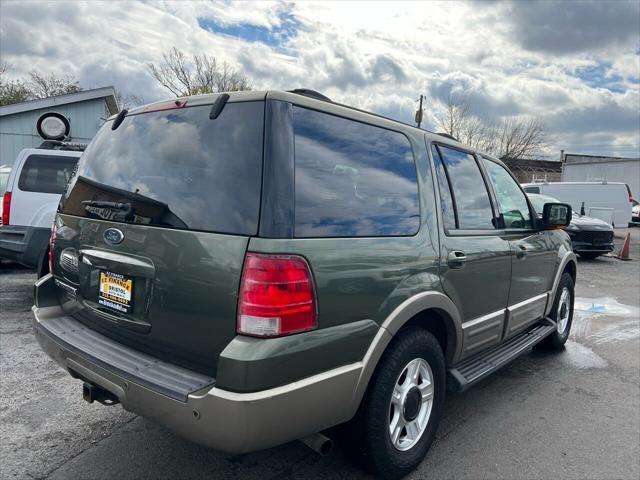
x,y
556,340
377,451
589,256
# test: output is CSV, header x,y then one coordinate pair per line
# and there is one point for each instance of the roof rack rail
x,y
59,145
447,135
311,93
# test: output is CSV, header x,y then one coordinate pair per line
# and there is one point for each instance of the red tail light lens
x,y
277,296
6,207
52,239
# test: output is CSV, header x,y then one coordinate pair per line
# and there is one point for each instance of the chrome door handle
x,y
456,259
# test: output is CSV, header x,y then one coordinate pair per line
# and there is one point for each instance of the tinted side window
x,y
513,204
352,179
470,196
446,201
46,173
532,189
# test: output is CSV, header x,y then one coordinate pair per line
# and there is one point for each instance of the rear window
x,y
177,169
46,173
352,179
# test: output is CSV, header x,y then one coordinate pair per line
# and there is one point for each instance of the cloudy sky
x,y
576,64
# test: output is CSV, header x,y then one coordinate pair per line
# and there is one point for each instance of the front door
x,y
533,253
475,258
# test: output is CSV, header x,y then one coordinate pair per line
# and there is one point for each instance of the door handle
x,y
521,251
456,259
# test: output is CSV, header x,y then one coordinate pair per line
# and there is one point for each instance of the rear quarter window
x,y
352,179
46,173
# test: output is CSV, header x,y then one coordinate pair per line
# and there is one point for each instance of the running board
x,y
471,371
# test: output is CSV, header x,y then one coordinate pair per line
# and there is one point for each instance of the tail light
x,y
6,207
52,239
277,296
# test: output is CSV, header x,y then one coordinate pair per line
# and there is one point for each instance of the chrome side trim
x,y
483,331
525,313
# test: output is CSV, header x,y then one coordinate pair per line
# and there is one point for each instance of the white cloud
x,y
546,59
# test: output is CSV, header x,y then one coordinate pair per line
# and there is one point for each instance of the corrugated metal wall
x,y
614,171
19,131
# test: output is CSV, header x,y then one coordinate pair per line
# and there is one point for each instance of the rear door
x,y
154,229
41,179
533,253
475,258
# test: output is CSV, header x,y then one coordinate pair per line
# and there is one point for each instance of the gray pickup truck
x,y
254,268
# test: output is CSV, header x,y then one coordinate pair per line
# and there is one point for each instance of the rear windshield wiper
x,y
112,205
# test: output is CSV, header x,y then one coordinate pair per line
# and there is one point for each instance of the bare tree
x,y
43,86
520,137
203,74
454,115
511,137
126,101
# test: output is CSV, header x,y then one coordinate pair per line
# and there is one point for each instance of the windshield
x,y
175,168
538,201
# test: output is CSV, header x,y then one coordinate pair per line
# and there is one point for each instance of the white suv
x,y
33,189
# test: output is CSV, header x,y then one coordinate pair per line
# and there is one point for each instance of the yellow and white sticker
x,y
116,291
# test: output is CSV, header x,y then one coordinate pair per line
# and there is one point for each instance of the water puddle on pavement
x,y
604,320
581,356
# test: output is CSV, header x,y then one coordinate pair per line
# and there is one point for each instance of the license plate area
x,y
115,291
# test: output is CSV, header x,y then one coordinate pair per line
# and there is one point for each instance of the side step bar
x,y
468,372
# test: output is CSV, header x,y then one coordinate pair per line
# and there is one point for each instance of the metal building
x,y
85,111
594,168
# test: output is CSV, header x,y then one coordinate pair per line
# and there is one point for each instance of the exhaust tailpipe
x,y
318,443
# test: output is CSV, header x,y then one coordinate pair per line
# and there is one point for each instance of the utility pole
x,y
419,113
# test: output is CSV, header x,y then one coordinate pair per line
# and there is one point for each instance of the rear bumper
x,y
25,245
227,421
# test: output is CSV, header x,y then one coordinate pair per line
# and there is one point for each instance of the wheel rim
x,y
564,309
411,404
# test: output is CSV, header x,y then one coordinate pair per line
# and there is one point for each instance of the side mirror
x,y
555,215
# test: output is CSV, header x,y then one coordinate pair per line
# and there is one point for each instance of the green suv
x,y
254,268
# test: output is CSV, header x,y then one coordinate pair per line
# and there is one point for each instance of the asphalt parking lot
x,y
570,415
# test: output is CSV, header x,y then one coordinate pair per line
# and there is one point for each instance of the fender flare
x,y
568,257
395,321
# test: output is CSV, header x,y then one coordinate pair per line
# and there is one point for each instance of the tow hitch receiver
x,y
91,393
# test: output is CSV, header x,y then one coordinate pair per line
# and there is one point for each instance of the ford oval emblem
x,y
113,236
